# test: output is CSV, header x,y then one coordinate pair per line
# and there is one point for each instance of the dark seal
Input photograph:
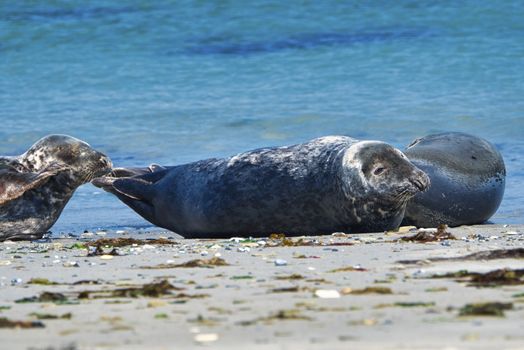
x,y
36,186
329,184
467,180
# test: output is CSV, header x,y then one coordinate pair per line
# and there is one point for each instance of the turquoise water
x,y
176,81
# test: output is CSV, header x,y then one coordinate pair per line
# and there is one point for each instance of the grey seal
x,y
36,186
328,184
467,180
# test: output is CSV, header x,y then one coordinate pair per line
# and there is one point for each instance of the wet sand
x,y
367,291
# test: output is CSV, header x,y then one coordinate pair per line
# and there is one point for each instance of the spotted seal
x,y
328,184
467,180
36,186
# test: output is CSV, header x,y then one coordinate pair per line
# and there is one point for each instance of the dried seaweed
x,y
500,277
348,269
280,240
517,253
7,323
293,289
280,315
208,263
44,297
367,290
122,242
294,276
485,309
154,290
425,236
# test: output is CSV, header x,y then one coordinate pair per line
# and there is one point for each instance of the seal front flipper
x,y
14,184
134,192
135,188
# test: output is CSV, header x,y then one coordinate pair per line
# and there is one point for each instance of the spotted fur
x,y
36,186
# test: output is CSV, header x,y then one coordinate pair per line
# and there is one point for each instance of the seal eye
x,y
379,170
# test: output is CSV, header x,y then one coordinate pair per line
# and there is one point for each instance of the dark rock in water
x,y
467,180
300,42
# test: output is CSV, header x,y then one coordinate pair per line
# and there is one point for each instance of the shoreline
x,y
336,292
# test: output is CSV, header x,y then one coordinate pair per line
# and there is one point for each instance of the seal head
x,y
36,186
387,181
467,176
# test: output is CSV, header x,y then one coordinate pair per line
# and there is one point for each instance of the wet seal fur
x,y
329,184
467,180
36,186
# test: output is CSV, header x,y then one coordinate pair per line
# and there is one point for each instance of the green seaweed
x,y
242,277
40,316
368,290
42,281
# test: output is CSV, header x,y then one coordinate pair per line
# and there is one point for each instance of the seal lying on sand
x,y
467,180
36,186
329,184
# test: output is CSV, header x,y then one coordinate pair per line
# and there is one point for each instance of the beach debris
x,y
327,294
40,316
436,289
280,262
44,297
71,264
293,289
155,290
156,303
7,323
161,316
206,337
485,309
414,304
280,315
303,256
366,290
99,251
499,277
42,281
430,235
516,253
207,263
88,282
339,234
348,269
16,281
122,242
242,277
294,276
280,240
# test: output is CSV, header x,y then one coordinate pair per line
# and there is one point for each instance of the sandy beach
x,y
366,291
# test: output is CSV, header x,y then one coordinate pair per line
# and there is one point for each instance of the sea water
x,y
171,82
